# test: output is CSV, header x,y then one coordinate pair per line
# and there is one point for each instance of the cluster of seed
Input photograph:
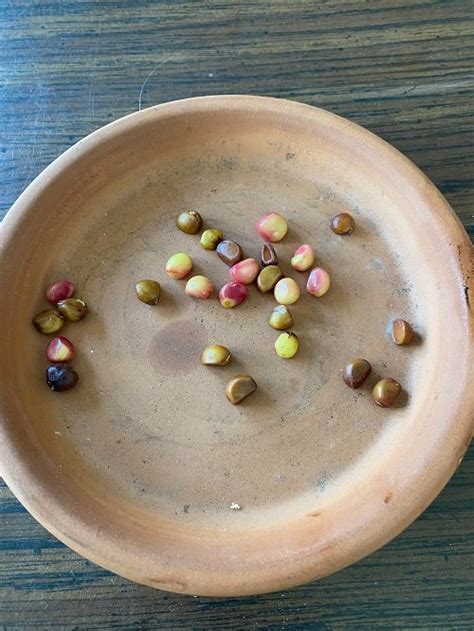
x,y
60,350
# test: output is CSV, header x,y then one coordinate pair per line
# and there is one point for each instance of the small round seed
x,y
179,265
215,355
281,318
48,321
73,309
268,255
211,238
60,378
402,333
230,252
318,282
303,258
286,291
239,388
199,287
268,278
245,272
60,290
189,221
386,392
272,227
232,294
356,372
287,345
343,223
60,350
148,291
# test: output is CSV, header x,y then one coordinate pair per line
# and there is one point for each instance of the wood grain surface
x,y
402,69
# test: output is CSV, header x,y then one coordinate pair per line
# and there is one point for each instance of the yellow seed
x,y
148,291
211,238
287,291
281,318
179,265
199,287
286,345
272,227
239,388
215,355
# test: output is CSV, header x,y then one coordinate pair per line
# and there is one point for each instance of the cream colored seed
x,y
286,291
303,258
199,287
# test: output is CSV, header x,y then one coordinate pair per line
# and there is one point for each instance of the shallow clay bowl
x,y
137,467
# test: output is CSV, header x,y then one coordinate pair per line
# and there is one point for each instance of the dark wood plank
x,y
402,69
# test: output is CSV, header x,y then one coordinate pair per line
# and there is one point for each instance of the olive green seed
x,y
148,291
215,355
281,318
211,238
189,221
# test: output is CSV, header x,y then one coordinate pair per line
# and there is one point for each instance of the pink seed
x,y
60,350
318,282
245,272
60,290
232,294
272,227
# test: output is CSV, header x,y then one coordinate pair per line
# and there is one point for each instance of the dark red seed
x,y
60,290
60,350
60,378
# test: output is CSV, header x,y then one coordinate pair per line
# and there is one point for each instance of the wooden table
x,y
402,69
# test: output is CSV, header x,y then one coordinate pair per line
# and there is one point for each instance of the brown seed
x,y
268,278
239,388
402,333
73,309
356,372
230,252
268,255
386,392
189,221
343,223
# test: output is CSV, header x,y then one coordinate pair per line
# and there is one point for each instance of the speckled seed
x,y
230,252
189,221
272,227
286,345
60,378
199,287
179,265
303,258
286,291
386,392
281,318
268,255
343,223
356,372
402,333
211,238
48,321
268,278
318,282
60,290
232,294
73,309
148,291
239,388
215,355
245,272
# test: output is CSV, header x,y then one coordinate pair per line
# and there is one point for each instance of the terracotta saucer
x,y
138,466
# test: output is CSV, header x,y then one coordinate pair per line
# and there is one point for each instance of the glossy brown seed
x,y
356,372
148,291
386,392
230,252
343,223
48,321
189,221
402,333
239,388
268,278
268,255
281,318
73,309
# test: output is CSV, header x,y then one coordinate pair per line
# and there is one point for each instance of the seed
x,y
303,258
386,392
272,227
48,321
189,221
318,282
73,309
402,333
199,287
268,278
281,318
61,378
215,355
356,372
230,252
268,255
286,345
239,388
179,265
60,350
286,291
245,272
232,294
60,290
211,238
148,291
343,223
